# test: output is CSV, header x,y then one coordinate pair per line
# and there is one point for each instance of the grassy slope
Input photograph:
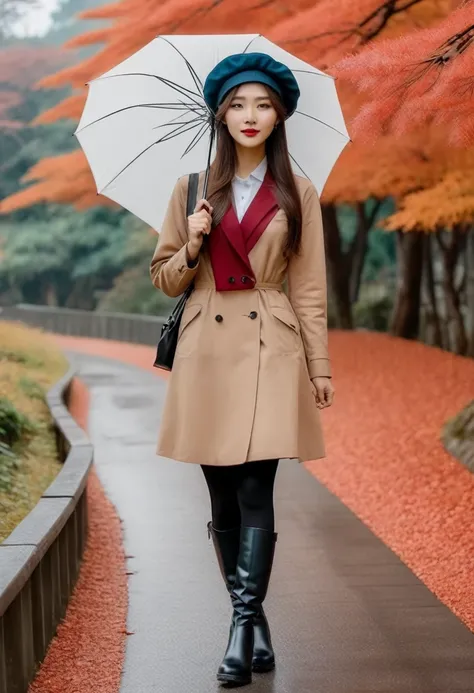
x,y
30,363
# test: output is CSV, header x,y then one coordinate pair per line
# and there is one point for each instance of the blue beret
x,y
242,68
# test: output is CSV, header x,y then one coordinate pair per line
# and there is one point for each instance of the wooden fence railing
x,y
40,560
124,327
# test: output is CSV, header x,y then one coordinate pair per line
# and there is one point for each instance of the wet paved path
x,y
347,615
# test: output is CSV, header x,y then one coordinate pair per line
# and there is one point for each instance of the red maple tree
x,y
319,31
425,76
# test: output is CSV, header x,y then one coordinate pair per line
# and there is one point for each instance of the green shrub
x,y
13,424
133,292
13,427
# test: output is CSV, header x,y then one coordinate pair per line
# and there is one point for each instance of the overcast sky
x,y
38,20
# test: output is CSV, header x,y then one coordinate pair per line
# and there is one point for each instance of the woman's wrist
x,y
191,255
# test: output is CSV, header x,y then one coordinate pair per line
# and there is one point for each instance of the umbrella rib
x,y
199,117
322,123
144,151
197,138
188,64
175,121
197,109
179,131
177,87
191,69
173,106
127,166
310,72
302,171
250,42
316,74
164,106
182,90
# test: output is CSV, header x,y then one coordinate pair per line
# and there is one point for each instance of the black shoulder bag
x,y
169,332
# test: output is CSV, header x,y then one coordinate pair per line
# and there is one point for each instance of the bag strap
x,y
192,193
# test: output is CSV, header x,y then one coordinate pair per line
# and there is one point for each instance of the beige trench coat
x,y
240,389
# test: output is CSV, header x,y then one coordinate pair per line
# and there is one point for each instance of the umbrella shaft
x,y
206,178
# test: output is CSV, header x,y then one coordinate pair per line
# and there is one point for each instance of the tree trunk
x,y
81,295
432,314
359,246
450,253
50,296
338,268
345,269
405,320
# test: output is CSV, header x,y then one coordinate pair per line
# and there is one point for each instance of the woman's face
x,y
251,117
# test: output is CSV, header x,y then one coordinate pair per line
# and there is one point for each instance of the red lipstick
x,y
250,132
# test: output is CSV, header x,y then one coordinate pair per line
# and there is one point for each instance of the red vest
x,y
231,241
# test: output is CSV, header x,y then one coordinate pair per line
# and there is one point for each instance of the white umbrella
x,y
145,122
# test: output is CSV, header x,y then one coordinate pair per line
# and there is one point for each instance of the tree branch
x,y
381,16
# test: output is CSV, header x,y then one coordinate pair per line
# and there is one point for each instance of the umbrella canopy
x,y
145,122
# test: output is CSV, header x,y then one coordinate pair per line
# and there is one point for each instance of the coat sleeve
x,y
169,269
307,289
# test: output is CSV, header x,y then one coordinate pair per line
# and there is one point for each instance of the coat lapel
x,y
230,242
233,231
261,211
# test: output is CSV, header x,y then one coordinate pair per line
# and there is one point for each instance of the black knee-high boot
x,y
250,587
226,544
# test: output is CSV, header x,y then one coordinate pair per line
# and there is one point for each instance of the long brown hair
x,y
223,169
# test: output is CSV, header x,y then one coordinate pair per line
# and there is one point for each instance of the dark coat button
x,y
231,280
244,279
219,318
253,315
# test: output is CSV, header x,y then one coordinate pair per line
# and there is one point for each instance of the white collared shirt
x,y
245,189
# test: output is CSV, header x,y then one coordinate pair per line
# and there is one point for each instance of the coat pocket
x,y
287,332
186,342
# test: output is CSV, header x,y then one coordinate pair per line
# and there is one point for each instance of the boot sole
x,y
263,668
234,680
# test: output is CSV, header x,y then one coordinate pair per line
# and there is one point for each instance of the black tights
x,y
242,495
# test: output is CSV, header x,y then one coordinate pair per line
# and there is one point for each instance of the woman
x,y
251,369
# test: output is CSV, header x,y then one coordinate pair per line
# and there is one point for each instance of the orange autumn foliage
x,y
394,166
423,77
397,165
359,173
137,23
57,175
446,205
140,22
325,32
70,107
66,179
433,185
